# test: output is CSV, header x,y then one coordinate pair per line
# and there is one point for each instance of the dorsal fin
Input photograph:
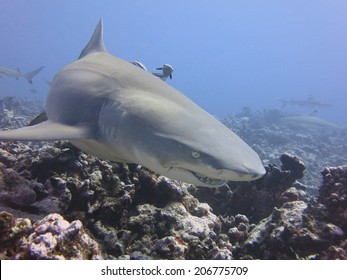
x,y
96,43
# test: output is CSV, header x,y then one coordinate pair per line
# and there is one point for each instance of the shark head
x,y
115,110
176,138
202,160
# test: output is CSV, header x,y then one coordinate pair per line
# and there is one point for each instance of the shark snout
x,y
242,174
256,173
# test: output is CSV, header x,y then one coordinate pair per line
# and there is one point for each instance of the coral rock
x,y
50,238
333,194
286,234
171,247
293,164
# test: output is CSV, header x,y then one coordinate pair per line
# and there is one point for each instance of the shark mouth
x,y
208,180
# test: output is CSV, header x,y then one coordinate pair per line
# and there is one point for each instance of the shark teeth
x,y
207,180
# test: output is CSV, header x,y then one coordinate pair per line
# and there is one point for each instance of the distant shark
x,y
113,109
6,72
309,122
309,102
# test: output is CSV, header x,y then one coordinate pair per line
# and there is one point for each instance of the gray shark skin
x,y
6,72
114,110
310,102
309,122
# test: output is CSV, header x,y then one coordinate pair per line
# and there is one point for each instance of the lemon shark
x,y
114,110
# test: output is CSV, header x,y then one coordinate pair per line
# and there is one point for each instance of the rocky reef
x,y
57,202
317,147
51,238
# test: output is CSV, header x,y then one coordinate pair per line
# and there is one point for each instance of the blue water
x,y
226,54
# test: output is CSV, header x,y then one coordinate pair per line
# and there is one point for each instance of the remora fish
x,y
308,122
113,109
17,74
166,72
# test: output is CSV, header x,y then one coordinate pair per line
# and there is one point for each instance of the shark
x,y
309,102
112,109
309,122
7,72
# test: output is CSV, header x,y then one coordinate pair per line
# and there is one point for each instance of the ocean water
x,y
225,54
252,64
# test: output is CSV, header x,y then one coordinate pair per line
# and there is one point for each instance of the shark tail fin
x,y
30,75
47,131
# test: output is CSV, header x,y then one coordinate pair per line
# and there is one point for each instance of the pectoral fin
x,y
47,131
39,119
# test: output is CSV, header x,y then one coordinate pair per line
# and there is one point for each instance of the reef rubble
x,y
57,202
317,147
51,238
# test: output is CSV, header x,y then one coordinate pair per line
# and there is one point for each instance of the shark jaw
x,y
192,177
199,179
207,180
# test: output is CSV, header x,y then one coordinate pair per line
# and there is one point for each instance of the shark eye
x,y
195,155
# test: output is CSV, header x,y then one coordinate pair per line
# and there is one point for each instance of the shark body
x,y
114,110
310,102
7,72
309,122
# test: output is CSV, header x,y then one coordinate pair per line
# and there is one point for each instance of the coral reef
x,y
333,194
318,148
50,238
15,112
60,203
288,233
257,199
